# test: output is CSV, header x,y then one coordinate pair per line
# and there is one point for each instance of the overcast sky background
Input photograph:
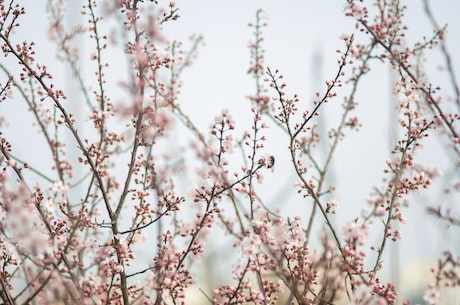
x,y
298,34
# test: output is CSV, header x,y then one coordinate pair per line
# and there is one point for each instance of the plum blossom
x,y
348,38
364,295
251,246
432,295
355,231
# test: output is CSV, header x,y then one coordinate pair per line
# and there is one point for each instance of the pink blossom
x,y
432,295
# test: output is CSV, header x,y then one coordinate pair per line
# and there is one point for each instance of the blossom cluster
x,y
124,212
